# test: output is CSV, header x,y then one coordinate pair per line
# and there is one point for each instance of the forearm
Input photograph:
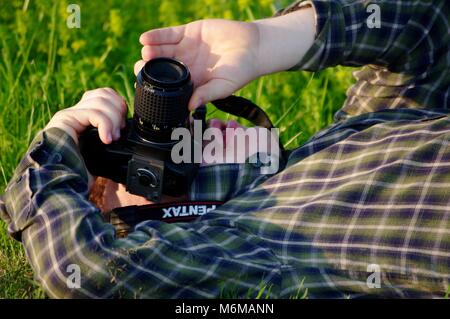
x,y
284,40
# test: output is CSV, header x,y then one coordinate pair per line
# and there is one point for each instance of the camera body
x,y
141,158
145,167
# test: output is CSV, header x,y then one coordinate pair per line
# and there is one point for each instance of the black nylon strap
x,y
125,218
241,107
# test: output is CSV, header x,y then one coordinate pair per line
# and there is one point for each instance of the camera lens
x,y
163,91
165,72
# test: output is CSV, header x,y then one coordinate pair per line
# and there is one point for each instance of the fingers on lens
x,y
138,66
212,90
150,52
171,35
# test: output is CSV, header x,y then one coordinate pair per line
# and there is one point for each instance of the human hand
x,y
102,108
222,55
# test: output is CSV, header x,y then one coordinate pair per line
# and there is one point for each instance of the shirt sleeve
x,y
74,253
381,32
223,182
404,46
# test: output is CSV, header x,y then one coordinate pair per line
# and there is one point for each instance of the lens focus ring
x,y
159,107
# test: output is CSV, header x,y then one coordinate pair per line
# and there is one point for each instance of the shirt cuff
x,y
54,146
52,155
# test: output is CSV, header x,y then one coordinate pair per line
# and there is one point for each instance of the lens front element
x,y
165,73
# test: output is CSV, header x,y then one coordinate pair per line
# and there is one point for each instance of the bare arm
x,y
284,40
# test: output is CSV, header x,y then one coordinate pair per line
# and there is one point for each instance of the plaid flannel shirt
x,y
373,188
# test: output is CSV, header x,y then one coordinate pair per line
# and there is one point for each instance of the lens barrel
x,y
163,91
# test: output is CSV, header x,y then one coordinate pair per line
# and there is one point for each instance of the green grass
x,y
44,67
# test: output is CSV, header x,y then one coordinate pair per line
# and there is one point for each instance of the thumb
x,y
213,90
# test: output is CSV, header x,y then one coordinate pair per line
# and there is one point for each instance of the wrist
x,y
259,58
284,40
255,49
64,127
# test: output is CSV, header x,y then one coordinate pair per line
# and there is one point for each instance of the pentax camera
x,y
141,158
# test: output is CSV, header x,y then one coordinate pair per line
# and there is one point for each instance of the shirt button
x,y
56,157
257,164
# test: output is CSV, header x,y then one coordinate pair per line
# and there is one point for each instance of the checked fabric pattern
x,y
373,188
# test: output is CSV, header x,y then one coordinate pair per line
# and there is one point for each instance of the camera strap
x,y
241,107
125,218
